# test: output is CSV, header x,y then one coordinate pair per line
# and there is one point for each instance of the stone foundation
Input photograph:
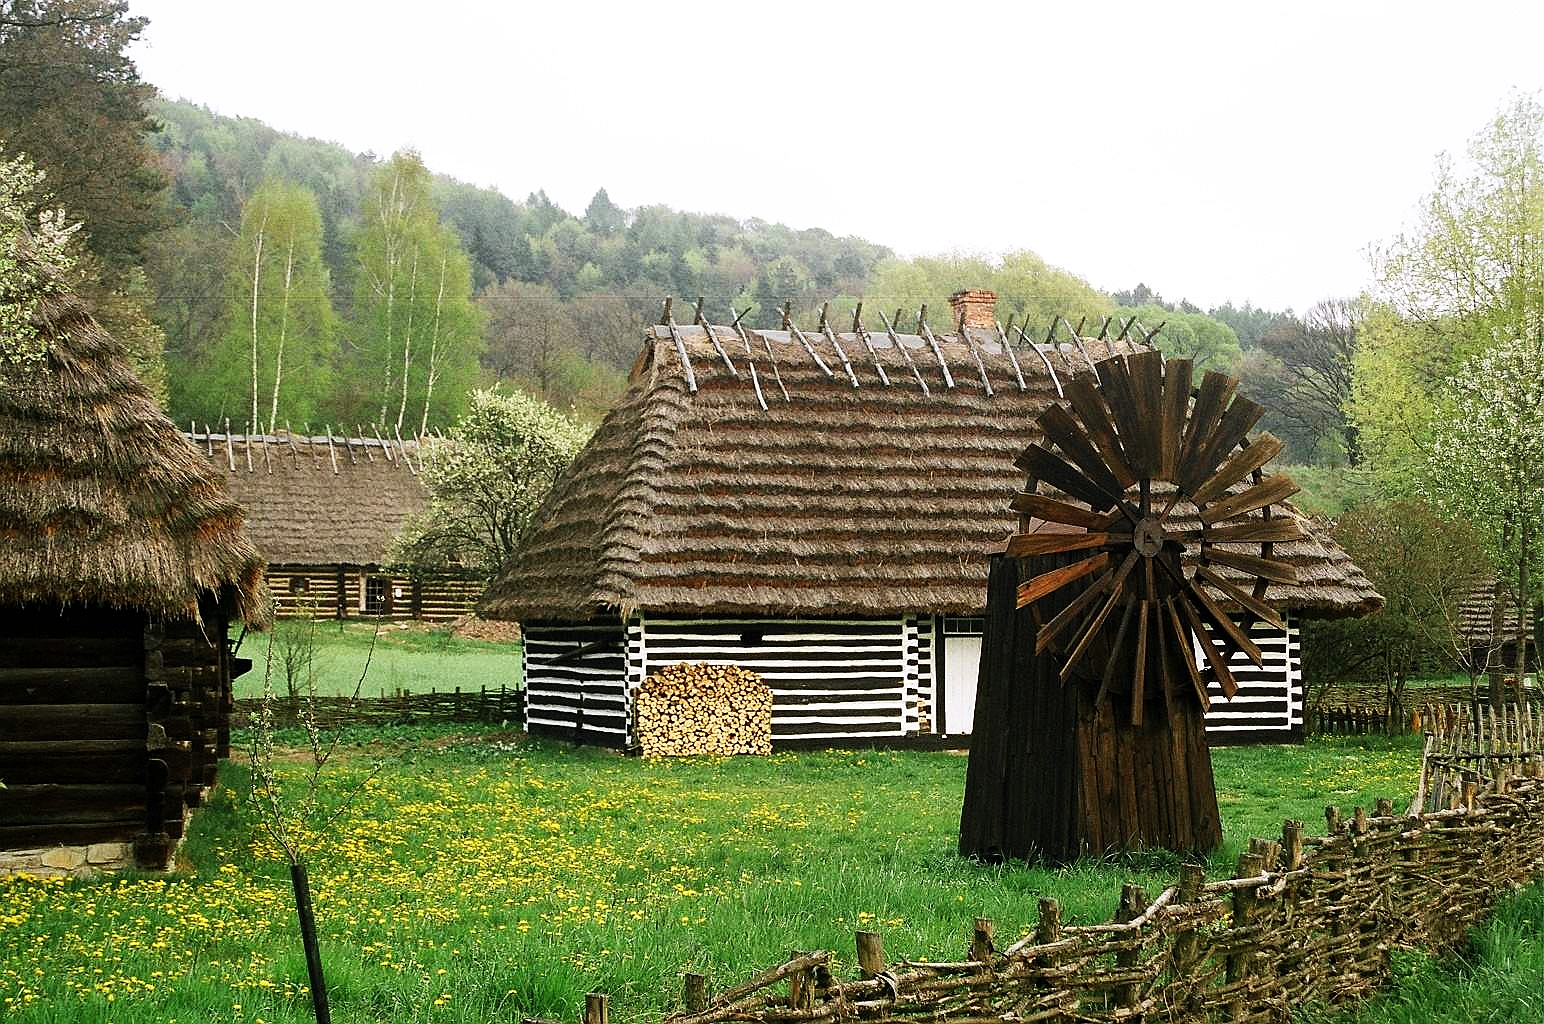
x,y
68,861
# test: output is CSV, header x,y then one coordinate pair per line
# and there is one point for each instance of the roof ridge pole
x,y
402,448
1037,350
702,322
895,339
938,353
364,443
680,346
267,462
348,447
331,451
248,440
735,325
230,453
825,329
1077,339
382,442
980,364
868,343
793,329
777,374
1002,339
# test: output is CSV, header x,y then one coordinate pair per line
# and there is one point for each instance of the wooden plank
x,y
1053,511
1266,568
55,721
1089,404
1112,664
1211,399
1176,403
1091,629
1224,622
1120,399
1240,464
1139,663
1021,545
1033,589
1145,387
79,652
1183,655
1071,612
1244,599
1060,428
95,685
1271,490
1280,529
1050,469
51,804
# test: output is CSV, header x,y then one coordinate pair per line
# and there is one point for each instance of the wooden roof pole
x,y
331,451
402,448
868,343
975,351
793,329
895,339
267,461
825,329
1025,338
680,347
249,448
771,357
756,383
364,442
938,353
1077,339
702,322
735,326
230,453
384,446
1002,339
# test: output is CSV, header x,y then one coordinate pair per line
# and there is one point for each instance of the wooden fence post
x,y
801,987
981,942
1244,899
695,996
1292,843
871,954
1133,900
597,1008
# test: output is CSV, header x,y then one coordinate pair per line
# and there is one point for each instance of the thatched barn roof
x,y
781,489
319,500
102,501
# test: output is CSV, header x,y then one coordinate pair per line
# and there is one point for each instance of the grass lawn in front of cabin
x,y
414,657
483,876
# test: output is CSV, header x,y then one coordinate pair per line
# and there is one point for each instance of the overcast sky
x,y
1232,151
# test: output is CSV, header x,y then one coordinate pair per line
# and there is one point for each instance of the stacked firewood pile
x,y
689,709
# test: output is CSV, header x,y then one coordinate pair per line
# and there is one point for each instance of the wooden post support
x,y
1332,821
981,941
597,1008
1192,880
1244,900
1359,821
1292,843
1470,787
1133,900
801,987
695,996
871,954
1384,808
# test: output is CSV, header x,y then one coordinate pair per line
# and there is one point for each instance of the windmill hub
x,y
1147,536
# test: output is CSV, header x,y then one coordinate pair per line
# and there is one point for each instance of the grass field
x,y
482,877
400,656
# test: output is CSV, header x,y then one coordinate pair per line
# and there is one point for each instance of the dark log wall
x,y
109,726
333,591
72,727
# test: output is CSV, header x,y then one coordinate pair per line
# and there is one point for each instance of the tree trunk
x,y
307,915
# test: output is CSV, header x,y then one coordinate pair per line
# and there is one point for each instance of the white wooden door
x,y
962,661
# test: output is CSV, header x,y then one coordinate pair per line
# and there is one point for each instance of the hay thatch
x,y
319,500
874,500
102,501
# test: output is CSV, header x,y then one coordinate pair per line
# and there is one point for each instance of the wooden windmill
x,y
1145,520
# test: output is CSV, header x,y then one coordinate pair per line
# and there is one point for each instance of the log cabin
x,y
324,510
122,564
820,507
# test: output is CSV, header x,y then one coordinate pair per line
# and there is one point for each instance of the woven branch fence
x,y
483,705
1306,919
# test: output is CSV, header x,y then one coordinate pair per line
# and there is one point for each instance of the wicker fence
x,y
1306,919
484,705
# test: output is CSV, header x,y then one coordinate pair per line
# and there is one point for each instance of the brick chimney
x,y
977,305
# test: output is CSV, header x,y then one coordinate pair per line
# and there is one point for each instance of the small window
x,y
299,586
377,596
955,625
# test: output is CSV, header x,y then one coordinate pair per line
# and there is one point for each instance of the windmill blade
x,y
1054,511
1165,665
1139,664
1032,590
1092,626
1068,615
1113,664
1145,386
1089,404
1059,427
1254,565
1269,491
1240,464
1022,545
1211,399
1224,623
1046,467
1184,653
1215,658
1120,398
1176,403
1259,531
1245,599
1234,426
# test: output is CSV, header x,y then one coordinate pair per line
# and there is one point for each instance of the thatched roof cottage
x,y
323,511
820,507
122,560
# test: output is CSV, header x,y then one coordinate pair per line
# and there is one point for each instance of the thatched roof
x,y
102,501
836,500
319,500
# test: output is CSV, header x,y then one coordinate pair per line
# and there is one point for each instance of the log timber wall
x,y
111,729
